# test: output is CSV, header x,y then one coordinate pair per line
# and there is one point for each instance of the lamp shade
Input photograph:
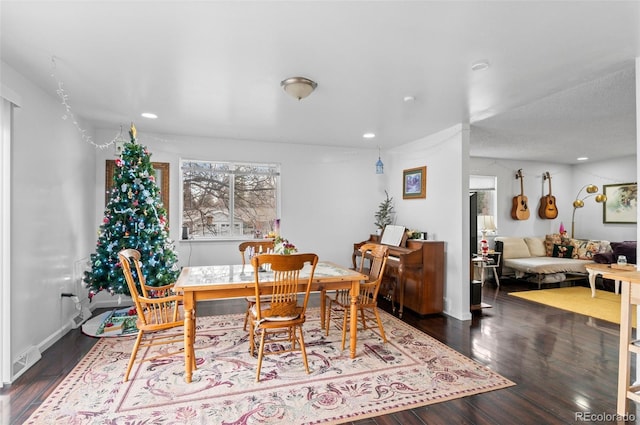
x,y
486,222
298,87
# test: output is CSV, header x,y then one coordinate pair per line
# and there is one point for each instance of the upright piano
x,y
414,275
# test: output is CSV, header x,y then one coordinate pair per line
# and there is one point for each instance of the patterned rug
x,y
410,370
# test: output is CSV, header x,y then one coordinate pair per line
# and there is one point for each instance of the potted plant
x,y
384,215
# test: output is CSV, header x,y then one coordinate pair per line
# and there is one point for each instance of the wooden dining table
x,y
201,283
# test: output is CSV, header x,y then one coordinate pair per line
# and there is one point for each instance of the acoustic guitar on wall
x,y
548,207
520,208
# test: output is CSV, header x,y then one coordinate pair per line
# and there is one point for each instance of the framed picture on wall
x,y
414,183
162,180
621,205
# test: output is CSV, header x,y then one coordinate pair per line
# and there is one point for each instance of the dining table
x,y
202,283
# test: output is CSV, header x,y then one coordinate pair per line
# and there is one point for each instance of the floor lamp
x,y
579,202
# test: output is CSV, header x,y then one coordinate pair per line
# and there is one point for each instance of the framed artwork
x,y
414,183
162,180
621,205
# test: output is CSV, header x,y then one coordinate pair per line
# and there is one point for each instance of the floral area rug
x,y
410,370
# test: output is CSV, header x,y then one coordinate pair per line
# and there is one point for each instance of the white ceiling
x,y
561,82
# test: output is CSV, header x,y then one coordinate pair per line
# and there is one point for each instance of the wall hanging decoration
x,y
621,205
414,183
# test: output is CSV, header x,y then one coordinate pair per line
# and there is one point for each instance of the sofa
x,y
550,259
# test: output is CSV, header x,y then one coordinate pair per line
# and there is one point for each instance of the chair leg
x,y
134,353
382,334
364,320
327,318
260,354
252,342
344,327
246,316
302,349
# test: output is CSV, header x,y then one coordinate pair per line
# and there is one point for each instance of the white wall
x,y
52,211
566,182
327,196
444,213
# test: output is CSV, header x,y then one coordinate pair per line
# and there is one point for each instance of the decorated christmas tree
x,y
133,218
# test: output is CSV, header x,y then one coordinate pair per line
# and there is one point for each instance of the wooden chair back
x,y
261,246
286,284
157,307
377,255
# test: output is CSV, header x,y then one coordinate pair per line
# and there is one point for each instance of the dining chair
x,y
253,248
278,322
368,296
158,309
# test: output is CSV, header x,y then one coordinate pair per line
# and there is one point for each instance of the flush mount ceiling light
x,y
149,115
299,87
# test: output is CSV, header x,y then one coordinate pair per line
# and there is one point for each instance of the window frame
x,y
232,167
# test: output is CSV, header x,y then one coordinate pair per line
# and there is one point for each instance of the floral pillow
x,y
554,239
586,249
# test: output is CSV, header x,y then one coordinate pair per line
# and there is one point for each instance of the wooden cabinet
x,y
424,287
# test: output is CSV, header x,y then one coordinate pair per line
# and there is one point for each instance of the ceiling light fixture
x,y
149,115
298,87
408,99
582,158
368,135
480,65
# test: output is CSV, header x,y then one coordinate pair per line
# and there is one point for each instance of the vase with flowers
x,y
283,246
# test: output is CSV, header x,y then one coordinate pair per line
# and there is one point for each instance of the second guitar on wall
x,y
548,209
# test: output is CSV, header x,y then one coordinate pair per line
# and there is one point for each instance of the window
x,y
227,200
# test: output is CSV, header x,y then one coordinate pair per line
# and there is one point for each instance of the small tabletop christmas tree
x,y
133,218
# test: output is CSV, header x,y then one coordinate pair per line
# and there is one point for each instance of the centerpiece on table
x,y
283,246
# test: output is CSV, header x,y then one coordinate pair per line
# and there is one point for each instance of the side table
x,y
492,262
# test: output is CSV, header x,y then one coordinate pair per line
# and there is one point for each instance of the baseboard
x,y
24,361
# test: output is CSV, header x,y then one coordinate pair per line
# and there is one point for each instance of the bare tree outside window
x,y
223,200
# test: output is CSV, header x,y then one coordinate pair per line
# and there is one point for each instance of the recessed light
x,y
149,115
408,99
480,65
369,135
582,158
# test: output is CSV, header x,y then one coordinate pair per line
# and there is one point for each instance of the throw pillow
x,y
627,249
536,247
604,258
562,251
550,241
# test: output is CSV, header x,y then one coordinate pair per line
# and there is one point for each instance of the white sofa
x,y
532,257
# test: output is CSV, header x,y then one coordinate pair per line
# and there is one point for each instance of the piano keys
x,y
415,271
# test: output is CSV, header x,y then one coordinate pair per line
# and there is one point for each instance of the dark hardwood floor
x,y
564,365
